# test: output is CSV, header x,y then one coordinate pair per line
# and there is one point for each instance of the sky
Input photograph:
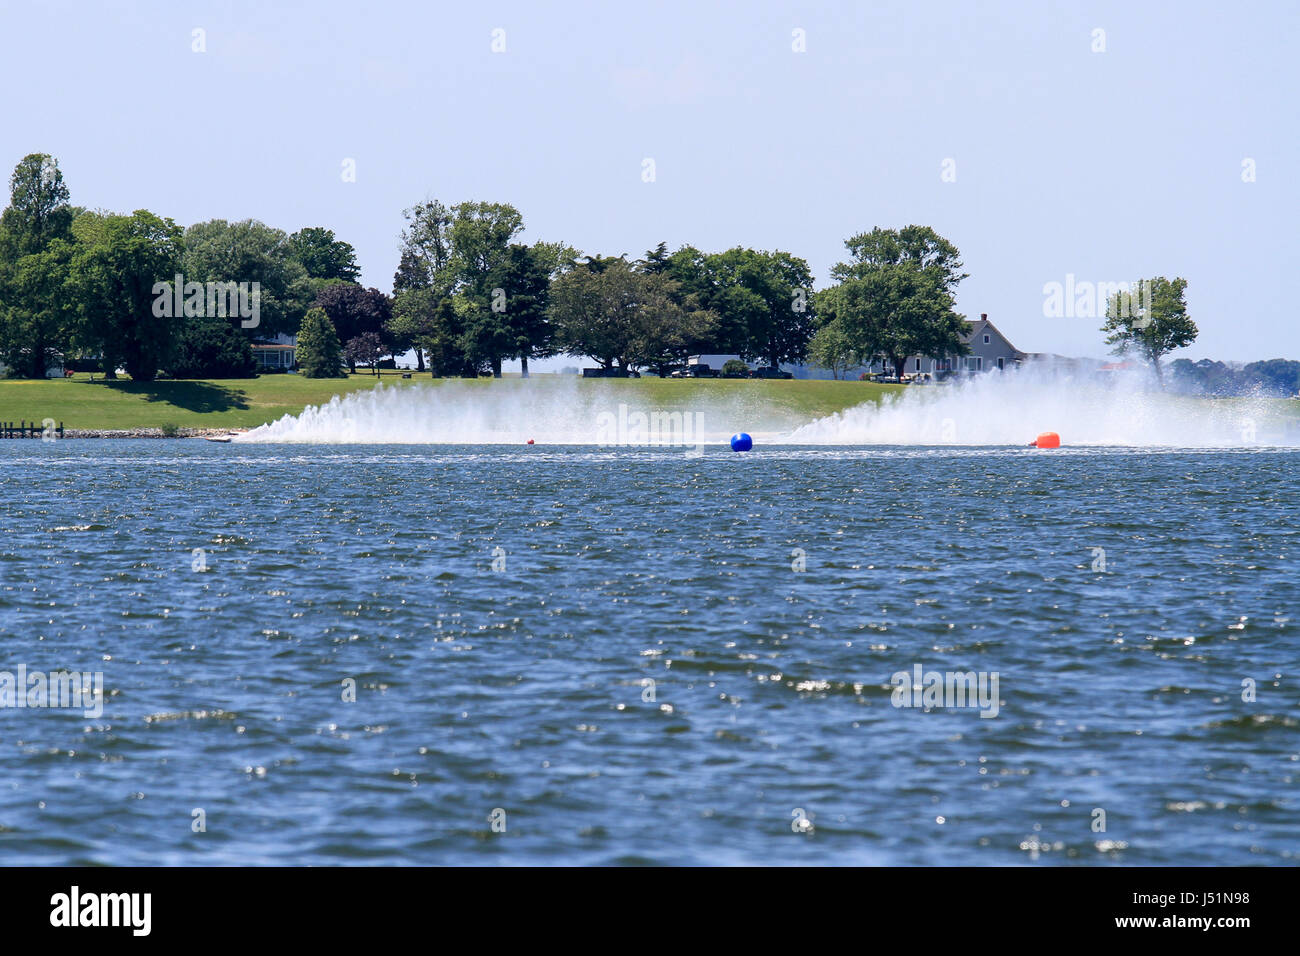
x,y
1106,142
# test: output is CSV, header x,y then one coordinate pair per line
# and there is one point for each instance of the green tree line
x,y
467,296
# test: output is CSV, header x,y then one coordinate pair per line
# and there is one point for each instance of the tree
x,y
433,327
319,353
445,342
115,274
591,311
364,349
449,249
767,295
609,311
410,274
251,251
426,250
37,315
355,310
466,253
919,245
693,328
760,302
554,258
486,337
524,284
666,326
323,256
210,347
413,321
1151,330
831,348
895,296
657,259
479,236
1278,376
481,233
38,210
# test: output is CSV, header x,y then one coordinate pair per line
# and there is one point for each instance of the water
x,y
524,689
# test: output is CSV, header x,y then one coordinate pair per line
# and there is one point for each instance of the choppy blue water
x,y
524,687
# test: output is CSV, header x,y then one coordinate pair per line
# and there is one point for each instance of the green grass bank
x,y
80,403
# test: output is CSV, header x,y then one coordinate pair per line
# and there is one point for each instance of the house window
x,y
987,340
1000,364
918,365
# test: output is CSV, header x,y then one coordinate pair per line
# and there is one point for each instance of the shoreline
x,y
220,408
151,433
211,407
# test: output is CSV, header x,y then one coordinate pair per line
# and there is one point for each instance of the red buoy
x,y
530,441
1048,440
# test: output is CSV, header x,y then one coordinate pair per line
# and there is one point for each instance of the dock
x,y
26,429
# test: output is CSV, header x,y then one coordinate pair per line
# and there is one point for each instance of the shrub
x,y
319,352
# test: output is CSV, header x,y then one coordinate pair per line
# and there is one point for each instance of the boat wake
x,y
1011,408
994,409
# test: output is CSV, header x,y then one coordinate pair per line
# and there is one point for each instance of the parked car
x,y
767,371
695,371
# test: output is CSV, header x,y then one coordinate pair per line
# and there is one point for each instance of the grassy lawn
x,y
244,403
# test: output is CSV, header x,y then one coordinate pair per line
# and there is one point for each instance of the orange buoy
x,y
1048,440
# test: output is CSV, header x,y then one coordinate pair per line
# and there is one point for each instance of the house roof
x,y
981,325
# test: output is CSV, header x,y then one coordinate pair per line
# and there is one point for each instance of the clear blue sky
x,y
1110,166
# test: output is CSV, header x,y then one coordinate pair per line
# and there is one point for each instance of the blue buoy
x,y
741,442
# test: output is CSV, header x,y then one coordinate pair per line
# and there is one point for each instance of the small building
x,y
281,353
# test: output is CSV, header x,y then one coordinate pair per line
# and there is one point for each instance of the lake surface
x,y
615,649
